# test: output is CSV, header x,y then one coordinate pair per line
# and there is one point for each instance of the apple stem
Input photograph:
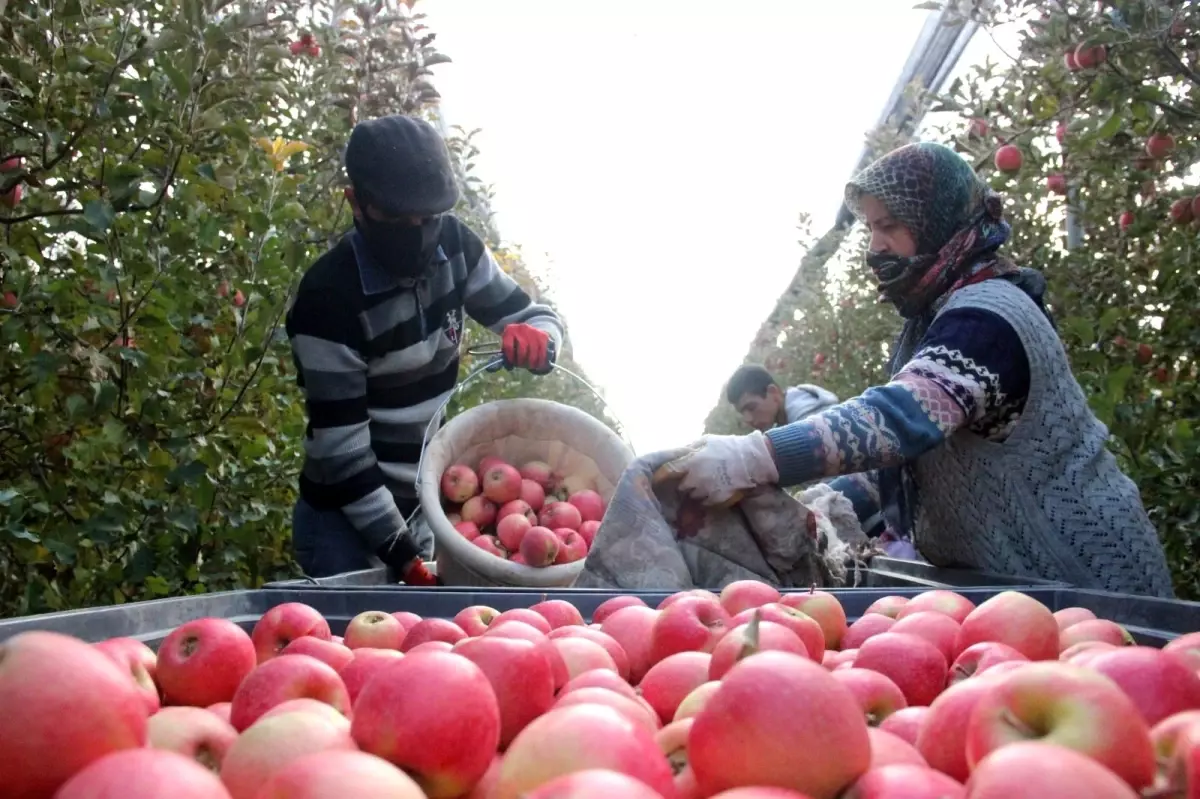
x,y
1011,719
750,641
812,588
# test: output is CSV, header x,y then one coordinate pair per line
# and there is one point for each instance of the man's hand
x,y
526,347
719,468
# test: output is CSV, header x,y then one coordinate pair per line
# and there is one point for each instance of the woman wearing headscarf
x,y
982,440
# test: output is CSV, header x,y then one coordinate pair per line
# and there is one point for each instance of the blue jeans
x,y
324,542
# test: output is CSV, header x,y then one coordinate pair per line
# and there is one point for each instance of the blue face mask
x,y
408,249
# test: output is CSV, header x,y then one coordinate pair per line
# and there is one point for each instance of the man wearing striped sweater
x,y
375,332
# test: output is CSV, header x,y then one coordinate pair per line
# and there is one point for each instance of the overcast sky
x,y
655,156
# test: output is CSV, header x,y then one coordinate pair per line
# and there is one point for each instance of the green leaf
x,y
99,214
1112,125
157,586
7,495
77,407
188,473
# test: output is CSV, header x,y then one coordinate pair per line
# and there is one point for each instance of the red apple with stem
x,y
823,608
876,694
476,619
889,606
978,658
632,627
559,613
614,650
936,628
1014,619
916,666
283,624
1009,158
1159,685
611,606
141,663
746,640
432,630
693,624
1094,630
669,681
192,732
203,662
501,483
1160,145
284,678
865,628
141,774
374,629
801,624
459,483
272,743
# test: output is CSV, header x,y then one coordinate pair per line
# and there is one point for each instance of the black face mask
x,y
898,276
407,249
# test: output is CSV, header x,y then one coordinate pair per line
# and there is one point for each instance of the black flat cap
x,y
402,166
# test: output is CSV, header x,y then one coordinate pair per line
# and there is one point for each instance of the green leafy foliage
x,y
1125,297
168,170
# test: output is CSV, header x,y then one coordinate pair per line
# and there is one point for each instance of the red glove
x,y
526,346
417,574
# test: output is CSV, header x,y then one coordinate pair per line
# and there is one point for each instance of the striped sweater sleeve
x,y
340,470
495,300
969,371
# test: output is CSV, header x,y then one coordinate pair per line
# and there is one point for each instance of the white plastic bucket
x,y
518,430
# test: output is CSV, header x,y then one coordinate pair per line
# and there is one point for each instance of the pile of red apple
x,y
743,695
529,515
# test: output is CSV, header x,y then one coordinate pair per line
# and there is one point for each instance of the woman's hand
x,y
718,468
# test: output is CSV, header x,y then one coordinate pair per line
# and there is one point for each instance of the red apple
x,y
192,732
611,606
306,705
672,742
589,504
936,628
891,750
203,661
865,628
336,656
221,710
1094,630
374,629
594,784
365,665
524,632
432,630
337,774
475,619
540,473
1060,132
571,547
284,678
501,483
1144,354
694,702
588,531
704,593
533,495
1066,705
581,655
140,662
559,613
905,781
432,646
577,738
1069,616
459,483
978,127
1015,619
283,624
406,618
746,640
1069,60
1089,56
876,694
693,624
669,681
488,462
12,197
490,544
1009,158
434,715
521,679
139,774
748,594
941,739
518,507
1160,145
747,733
615,651
1046,771
560,514
916,666
270,744
600,678
1157,683
956,606
518,558
636,709
1186,649
511,529
889,606
978,658
1181,210
905,722
805,628
468,530
539,546
834,660
11,300
1056,183
527,616
632,627
1126,220
1082,653
479,510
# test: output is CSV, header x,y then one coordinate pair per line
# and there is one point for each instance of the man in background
x,y
763,404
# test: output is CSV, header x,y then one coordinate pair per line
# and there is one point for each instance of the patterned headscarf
x,y
956,219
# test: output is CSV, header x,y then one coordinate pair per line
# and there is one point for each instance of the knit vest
x,y
1050,501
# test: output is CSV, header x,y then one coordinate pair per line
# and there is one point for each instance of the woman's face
x,y
887,235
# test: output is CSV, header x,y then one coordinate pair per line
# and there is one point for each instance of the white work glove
x,y
718,468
